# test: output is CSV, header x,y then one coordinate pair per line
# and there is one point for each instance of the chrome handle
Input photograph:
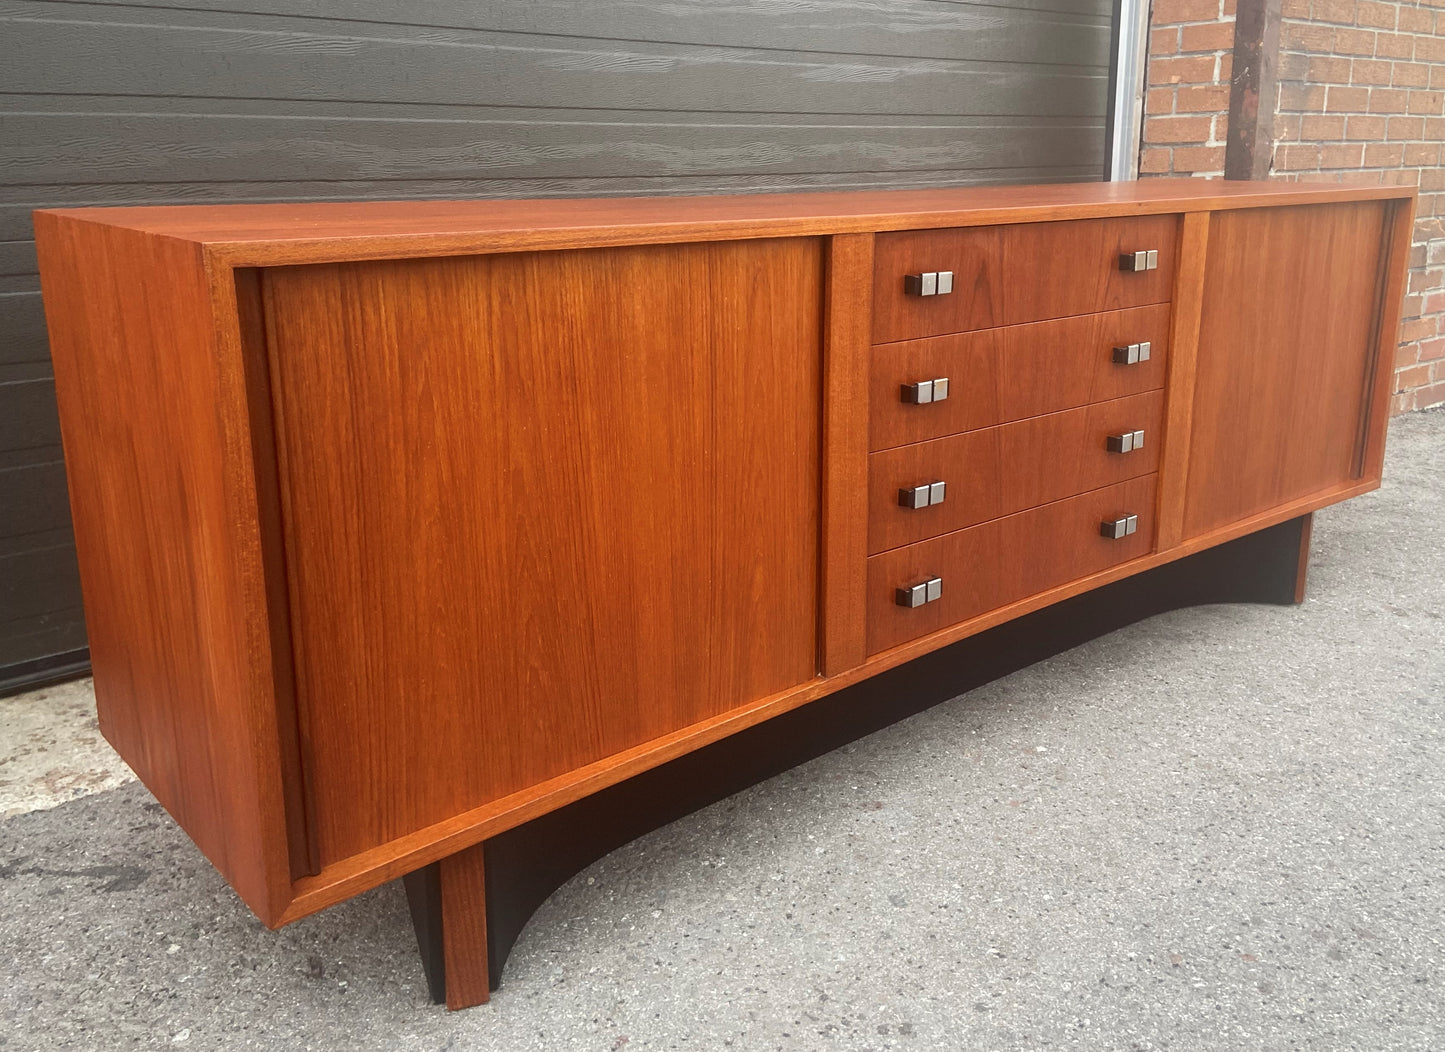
x,y
1114,529
932,283
917,594
924,391
1132,353
1126,442
924,496
1141,260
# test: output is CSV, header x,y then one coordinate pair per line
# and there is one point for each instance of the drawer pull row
x,y
924,496
1138,261
924,391
1126,442
1133,353
1116,529
933,283
924,592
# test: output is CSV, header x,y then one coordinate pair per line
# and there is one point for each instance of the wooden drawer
x,y
1005,560
999,375
1006,275
1001,470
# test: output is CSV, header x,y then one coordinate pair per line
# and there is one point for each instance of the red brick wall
x,y
1361,97
1186,100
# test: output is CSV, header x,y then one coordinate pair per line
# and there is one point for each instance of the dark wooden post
x,y
1252,90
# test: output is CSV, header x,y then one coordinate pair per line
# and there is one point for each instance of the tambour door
x,y
538,509
1287,344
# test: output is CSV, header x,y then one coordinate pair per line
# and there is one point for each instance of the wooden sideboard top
x,y
278,234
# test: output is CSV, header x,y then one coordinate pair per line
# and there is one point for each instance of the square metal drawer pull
x,y
1133,353
913,497
924,592
924,496
1126,442
1115,529
924,391
1135,262
920,393
931,283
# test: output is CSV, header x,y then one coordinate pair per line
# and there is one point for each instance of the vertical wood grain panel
x,y
845,451
1183,362
247,328
1395,270
463,879
1289,324
154,420
540,509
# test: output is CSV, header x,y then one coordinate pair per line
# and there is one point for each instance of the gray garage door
x,y
266,100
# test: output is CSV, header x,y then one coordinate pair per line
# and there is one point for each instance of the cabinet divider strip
x,y
1183,360
848,297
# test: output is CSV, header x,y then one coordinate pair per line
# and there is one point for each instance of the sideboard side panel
x,y
155,428
1287,339
1400,237
540,509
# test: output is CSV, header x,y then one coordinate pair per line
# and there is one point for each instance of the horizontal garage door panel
x,y
215,101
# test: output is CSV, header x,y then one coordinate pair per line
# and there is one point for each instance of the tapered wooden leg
x,y
464,928
1307,523
448,901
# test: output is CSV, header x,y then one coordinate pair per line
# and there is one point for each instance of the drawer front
x,y
1005,560
1008,275
1002,470
999,375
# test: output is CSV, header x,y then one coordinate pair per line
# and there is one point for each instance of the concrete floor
x,y
1223,828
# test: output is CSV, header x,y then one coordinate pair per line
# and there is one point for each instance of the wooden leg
x,y
448,903
1307,523
464,928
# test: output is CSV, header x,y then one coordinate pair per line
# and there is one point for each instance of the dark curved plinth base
x,y
523,866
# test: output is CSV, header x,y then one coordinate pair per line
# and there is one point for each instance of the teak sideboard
x,y
403,525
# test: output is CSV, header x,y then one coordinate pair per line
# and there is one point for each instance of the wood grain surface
x,y
845,452
157,426
259,235
540,509
1007,559
1001,470
465,964
1380,374
998,375
1183,363
1286,341
1017,273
